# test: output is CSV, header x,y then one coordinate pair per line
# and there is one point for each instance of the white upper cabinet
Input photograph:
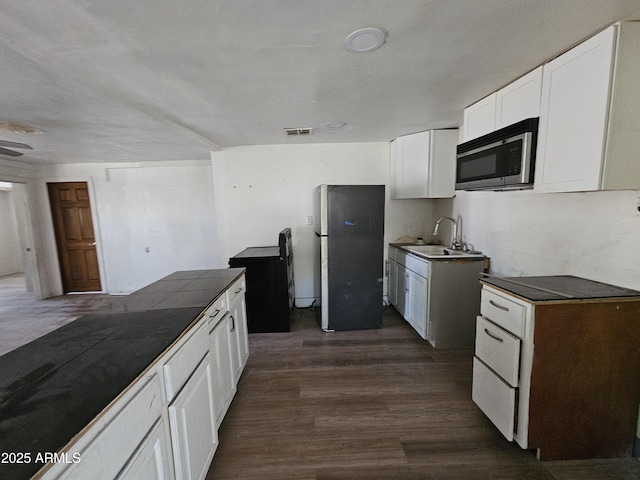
x,y
517,101
480,118
423,165
589,134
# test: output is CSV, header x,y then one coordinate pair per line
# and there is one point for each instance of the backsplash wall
x,y
592,235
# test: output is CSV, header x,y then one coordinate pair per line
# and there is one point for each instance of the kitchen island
x,y
87,396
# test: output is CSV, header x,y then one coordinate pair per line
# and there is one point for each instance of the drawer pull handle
x,y
237,291
506,309
215,314
493,336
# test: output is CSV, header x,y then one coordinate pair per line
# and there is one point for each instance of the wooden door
x,y
72,221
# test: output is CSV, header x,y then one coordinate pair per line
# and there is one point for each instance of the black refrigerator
x,y
349,224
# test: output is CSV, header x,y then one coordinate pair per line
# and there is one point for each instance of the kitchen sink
x,y
439,251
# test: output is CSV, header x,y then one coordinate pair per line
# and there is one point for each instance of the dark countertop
x,y
54,386
258,252
558,287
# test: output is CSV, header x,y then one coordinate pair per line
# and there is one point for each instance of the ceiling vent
x,y
298,131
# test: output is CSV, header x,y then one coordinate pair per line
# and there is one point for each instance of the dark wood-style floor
x,y
374,404
371,404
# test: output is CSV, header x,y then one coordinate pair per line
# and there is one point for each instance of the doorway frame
x,y
24,233
47,279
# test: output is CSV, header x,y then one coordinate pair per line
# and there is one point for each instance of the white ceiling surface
x,y
150,80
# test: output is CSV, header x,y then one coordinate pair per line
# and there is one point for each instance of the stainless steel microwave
x,y
500,160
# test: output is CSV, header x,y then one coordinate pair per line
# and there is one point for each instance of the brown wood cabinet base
x,y
585,380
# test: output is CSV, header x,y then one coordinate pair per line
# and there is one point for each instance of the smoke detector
x,y
298,131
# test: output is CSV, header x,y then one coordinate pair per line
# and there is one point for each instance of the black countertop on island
x,y
54,386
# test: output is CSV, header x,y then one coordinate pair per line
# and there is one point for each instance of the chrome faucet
x,y
455,241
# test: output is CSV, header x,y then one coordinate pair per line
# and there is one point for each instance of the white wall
x,y
10,251
194,215
594,235
150,220
260,190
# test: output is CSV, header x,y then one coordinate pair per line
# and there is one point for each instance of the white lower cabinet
x,y
224,386
165,424
239,314
392,273
411,295
438,298
194,435
151,460
399,297
239,329
114,437
416,307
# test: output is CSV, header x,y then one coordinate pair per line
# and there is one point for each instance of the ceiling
x,y
155,80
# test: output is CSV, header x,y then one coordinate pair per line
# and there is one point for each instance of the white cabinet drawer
x,y
181,365
151,460
503,311
235,290
421,267
401,257
495,398
216,311
110,449
499,350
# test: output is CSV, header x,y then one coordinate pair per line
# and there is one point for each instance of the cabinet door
x,y
393,283
239,334
519,100
151,460
480,118
194,436
412,157
441,174
393,168
108,446
573,116
401,288
416,313
222,367
424,164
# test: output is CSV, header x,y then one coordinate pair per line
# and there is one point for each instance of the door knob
x,y
91,244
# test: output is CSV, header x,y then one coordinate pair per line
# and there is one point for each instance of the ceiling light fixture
x,y
336,125
365,40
